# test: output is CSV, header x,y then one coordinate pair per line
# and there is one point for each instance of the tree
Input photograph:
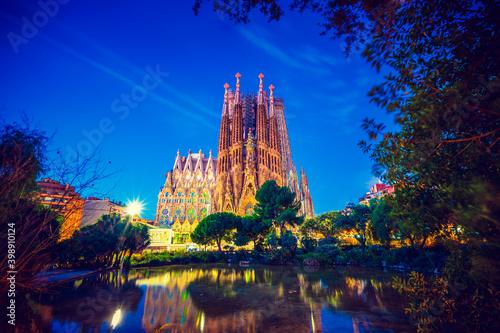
x,y
325,224
251,228
103,244
134,238
31,231
445,97
382,222
358,222
216,227
199,238
277,206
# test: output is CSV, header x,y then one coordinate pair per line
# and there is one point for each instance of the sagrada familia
x,y
253,147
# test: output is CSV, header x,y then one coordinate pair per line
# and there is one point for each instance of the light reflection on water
x,y
222,298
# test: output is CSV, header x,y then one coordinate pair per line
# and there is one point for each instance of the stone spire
x,y
261,89
237,97
237,121
271,101
262,128
225,108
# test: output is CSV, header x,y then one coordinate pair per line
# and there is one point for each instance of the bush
x,y
328,240
390,259
341,259
329,251
289,241
358,257
240,255
272,241
405,255
309,244
347,248
279,257
377,250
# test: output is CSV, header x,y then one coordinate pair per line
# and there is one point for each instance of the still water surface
x,y
222,298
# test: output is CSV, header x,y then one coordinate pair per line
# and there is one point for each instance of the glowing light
x,y
134,207
116,318
202,323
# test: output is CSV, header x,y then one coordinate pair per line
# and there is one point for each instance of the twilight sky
x,y
78,72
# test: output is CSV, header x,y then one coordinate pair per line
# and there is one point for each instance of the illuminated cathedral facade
x,y
253,147
187,195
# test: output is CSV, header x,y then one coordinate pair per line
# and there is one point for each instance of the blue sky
x,y
74,72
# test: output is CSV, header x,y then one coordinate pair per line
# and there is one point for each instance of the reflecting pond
x,y
224,298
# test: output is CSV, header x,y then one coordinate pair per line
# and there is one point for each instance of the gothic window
x,y
166,194
203,214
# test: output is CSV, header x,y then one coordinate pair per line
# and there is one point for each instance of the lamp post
x,y
133,208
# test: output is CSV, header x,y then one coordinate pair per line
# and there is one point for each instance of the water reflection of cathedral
x,y
234,301
264,300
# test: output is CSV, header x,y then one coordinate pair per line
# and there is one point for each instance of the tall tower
x,y
291,178
305,196
249,156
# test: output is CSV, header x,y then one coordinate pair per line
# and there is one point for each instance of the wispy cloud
x,y
154,95
315,56
269,48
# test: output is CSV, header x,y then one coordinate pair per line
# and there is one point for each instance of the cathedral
x,y
253,147
186,197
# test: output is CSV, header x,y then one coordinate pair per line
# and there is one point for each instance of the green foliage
x,y
215,227
326,224
359,257
358,222
148,259
313,259
280,256
382,222
309,244
103,244
329,251
277,206
435,301
289,241
444,93
272,241
251,228
328,240
198,237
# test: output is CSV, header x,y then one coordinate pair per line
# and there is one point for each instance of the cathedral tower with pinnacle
x,y
253,148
